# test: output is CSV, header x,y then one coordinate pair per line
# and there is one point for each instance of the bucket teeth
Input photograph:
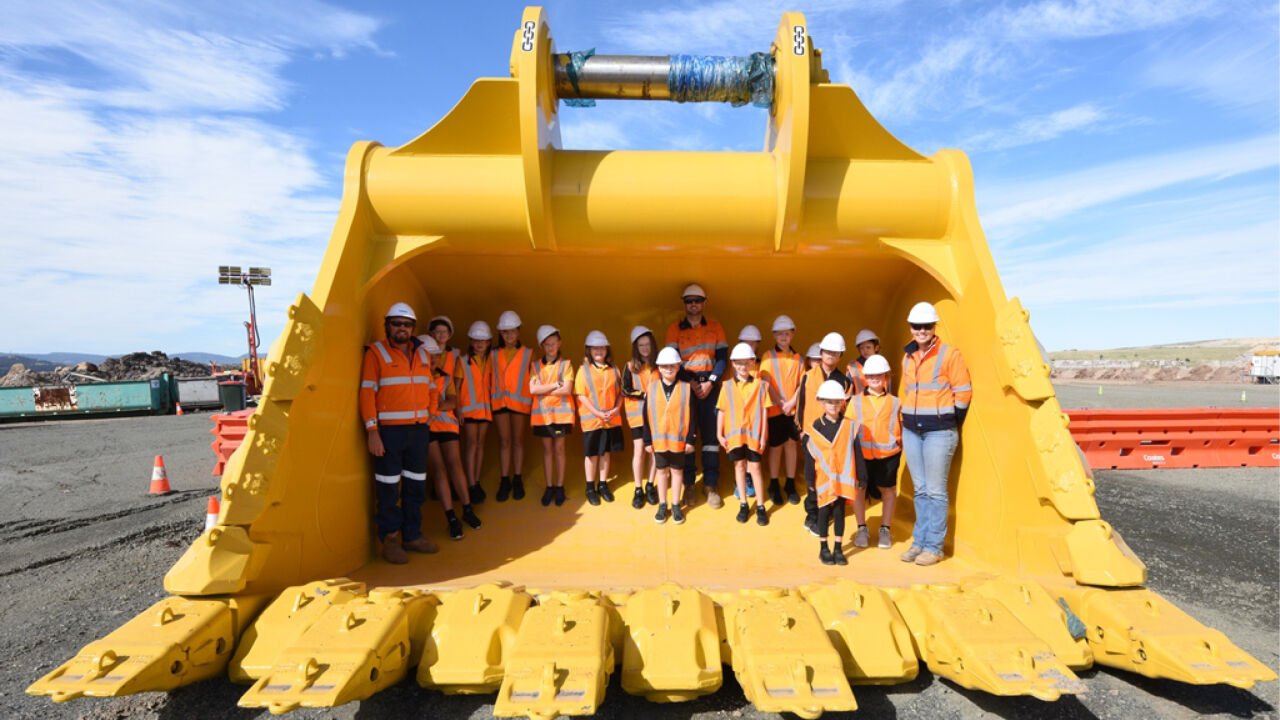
x,y
978,643
173,643
471,639
351,651
283,621
1036,608
1139,631
783,658
671,651
561,661
867,630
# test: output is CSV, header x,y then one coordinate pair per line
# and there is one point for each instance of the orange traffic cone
x,y
159,479
211,515
179,412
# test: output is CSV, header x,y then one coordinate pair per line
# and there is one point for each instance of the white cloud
x,y
1092,18
1228,69
1037,129
1016,204
128,178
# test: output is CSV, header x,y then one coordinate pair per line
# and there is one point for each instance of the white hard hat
x,y
922,313
815,351
430,344
637,331
832,342
865,335
595,338
694,290
546,331
783,322
508,320
480,331
750,332
830,390
875,365
742,351
402,310
441,318
668,356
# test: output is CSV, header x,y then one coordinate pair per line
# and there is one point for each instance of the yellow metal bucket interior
x,y
835,223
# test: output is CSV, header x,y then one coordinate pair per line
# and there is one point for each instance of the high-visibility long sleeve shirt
x,y
395,388
704,348
936,389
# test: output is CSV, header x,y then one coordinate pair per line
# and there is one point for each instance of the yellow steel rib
x,y
173,643
978,643
472,638
1139,631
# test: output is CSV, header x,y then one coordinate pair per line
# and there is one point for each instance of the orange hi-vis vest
x,y
814,377
395,389
443,421
602,386
668,417
510,387
553,409
473,396
877,415
452,361
857,374
935,383
782,370
743,404
634,406
835,472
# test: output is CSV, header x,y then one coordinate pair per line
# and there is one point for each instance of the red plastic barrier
x,y
228,432
1178,438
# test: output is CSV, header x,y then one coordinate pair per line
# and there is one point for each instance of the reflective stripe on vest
x,y
472,391
518,398
587,371
818,446
657,405
560,409
633,406
871,448
936,384
382,350
739,429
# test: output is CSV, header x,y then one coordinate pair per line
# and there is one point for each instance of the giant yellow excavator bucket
x,y
834,222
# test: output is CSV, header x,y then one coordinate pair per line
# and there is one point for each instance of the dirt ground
x,y
83,548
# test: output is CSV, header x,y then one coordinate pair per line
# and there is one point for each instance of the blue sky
x,y
1127,155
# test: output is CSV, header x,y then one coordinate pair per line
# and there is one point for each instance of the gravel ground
x,y
84,549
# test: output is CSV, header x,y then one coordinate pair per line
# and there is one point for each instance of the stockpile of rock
x,y
134,366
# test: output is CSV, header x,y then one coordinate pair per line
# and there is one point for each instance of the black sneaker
x,y
637,500
559,496
504,490
811,524
455,527
517,488
825,555
762,516
651,493
592,497
677,515
744,512
660,516
838,556
477,494
793,497
469,517
605,493
775,492
548,495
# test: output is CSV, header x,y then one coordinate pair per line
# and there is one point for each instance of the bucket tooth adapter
x,y
485,212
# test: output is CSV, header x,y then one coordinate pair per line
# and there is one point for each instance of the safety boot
x,y
393,551
421,545
793,497
504,489
637,500
651,493
713,499
517,488
775,492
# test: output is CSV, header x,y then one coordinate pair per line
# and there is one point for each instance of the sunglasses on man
x,y
924,326
694,300
400,323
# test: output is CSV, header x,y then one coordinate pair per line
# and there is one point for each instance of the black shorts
x,y
554,430
664,460
602,441
476,421
404,453
742,452
509,411
883,472
444,437
781,429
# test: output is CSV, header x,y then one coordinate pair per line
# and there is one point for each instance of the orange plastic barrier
x,y
1178,438
228,432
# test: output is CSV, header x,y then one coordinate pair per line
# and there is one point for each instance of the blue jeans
x,y
929,460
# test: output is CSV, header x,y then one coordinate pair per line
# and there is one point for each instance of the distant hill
x,y
7,361
48,362
204,357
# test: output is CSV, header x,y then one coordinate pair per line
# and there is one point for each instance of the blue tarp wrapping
x,y
711,78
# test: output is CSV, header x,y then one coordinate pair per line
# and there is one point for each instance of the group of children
x,y
846,421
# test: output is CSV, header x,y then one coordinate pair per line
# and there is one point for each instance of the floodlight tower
x,y
232,275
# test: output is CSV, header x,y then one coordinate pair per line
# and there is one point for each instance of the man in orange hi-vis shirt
x,y
704,352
